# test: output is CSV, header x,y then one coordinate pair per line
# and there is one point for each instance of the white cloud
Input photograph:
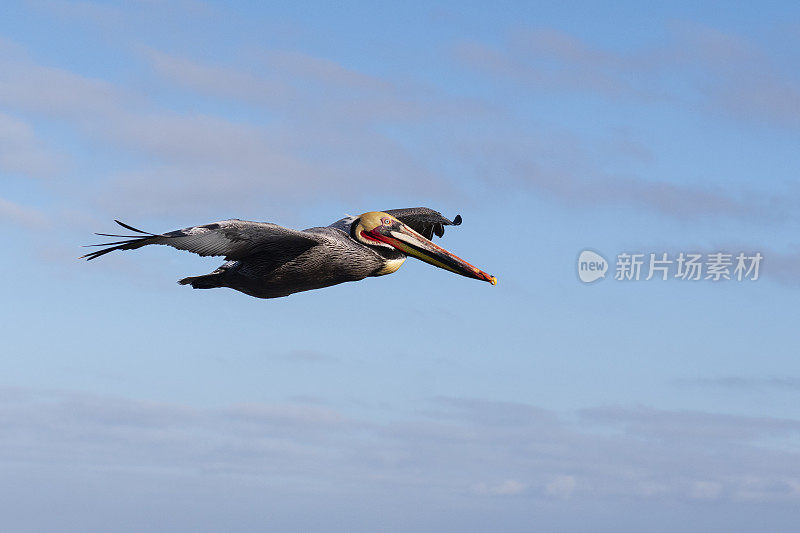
x,y
444,450
565,167
508,487
747,383
21,215
22,152
717,74
219,80
561,486
705,490
325,137
58,93
306,454
322,130
724,71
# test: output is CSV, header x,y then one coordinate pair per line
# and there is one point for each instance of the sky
x,y
419,401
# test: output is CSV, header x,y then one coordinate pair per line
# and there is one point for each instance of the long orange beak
x,y
412,243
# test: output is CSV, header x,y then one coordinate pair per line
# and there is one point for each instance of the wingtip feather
x,y
126,226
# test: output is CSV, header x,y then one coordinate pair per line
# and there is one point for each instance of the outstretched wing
x,y
234,239
424,221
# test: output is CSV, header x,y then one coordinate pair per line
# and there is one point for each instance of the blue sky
x,y
422,400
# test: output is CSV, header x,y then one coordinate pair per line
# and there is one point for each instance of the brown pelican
x,y
269,261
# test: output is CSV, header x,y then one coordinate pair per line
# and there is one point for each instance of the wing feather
x,y
424,221
234,239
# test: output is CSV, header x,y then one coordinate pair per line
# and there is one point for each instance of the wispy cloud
x,y
508,487
696,69
326,139
316,128
458,446
22,153
309,356
561,486
547,59
566,168
724,72
784,267
58,93
744,383
21,215
690,427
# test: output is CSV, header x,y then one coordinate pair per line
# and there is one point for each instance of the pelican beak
x,y
410,242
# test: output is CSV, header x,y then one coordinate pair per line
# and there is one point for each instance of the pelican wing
x,y
234,239
424,221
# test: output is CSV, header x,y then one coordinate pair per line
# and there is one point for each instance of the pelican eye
x,y
387,221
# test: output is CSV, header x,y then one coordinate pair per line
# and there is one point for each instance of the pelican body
x,y
269,261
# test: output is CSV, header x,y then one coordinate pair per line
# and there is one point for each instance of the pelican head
x,y
379,229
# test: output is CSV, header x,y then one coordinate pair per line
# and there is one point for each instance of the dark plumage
x,y
269,261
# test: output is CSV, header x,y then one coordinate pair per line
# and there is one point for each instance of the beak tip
x,y
493,280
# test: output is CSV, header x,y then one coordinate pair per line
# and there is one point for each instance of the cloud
x,y
566,168
783,267
697,69
457,446
326,137
316,129
550,60
309,356
705,490
22,153
495,462
218,80
509,487
58,93
723,72
743,383
303,87
738,78
561,486
687,426
23,216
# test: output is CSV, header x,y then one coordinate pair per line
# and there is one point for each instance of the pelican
x,y
269,261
